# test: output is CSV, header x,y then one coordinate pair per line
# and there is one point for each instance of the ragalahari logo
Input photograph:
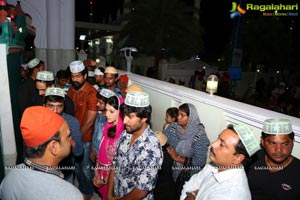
x,y
277,10
236,10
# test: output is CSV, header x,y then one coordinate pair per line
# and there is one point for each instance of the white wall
x,y
7,136
215,112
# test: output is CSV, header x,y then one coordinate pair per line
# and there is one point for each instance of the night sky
x,y
214,18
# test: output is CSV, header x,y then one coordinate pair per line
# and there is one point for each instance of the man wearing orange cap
x,y
47,139
122,84
110,78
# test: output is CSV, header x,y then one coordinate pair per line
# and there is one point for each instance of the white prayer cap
x,y
277,126
98,72
110,70
45,76
161,137
137,99
25,66
76,66
33,63
248,138
91,74
55,91
106,93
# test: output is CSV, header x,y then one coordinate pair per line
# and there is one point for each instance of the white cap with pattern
x,y
33,63
137,99
98,72
55,91
248,138
76,66
277,126
106,93
45,76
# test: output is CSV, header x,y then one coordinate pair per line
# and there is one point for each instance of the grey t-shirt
x,y
27,184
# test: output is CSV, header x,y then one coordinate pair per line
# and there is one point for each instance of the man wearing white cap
x,y
90,66
44,80
55,101
100,121
275,174
139,155
225,177
99,78
110,78
84,97
27,88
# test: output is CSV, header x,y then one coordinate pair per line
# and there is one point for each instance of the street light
x,y
127,53
81,54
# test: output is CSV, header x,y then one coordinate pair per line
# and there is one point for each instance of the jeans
x,y
84,171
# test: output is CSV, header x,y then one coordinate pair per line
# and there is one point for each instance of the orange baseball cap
x,y
124,78
39,124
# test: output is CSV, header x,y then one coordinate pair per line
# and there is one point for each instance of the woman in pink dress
x,y
111,133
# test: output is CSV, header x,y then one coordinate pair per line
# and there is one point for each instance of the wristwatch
x,y
191,193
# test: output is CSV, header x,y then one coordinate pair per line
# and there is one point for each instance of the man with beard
x,y
27,88
138,156
275,174
110,78
225,177
84,97
44,80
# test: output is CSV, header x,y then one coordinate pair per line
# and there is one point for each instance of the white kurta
x,y
231,184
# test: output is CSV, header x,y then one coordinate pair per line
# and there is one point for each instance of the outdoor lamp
x,y
127,53
212,84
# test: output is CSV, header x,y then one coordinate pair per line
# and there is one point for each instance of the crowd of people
x,y
89,124
282,95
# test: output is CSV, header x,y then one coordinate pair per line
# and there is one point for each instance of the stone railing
x,y
215,112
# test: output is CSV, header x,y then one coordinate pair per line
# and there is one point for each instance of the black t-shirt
x,y
281,185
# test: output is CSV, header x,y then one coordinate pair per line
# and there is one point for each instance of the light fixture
x,y
212,84
127,53
109,40
82,37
